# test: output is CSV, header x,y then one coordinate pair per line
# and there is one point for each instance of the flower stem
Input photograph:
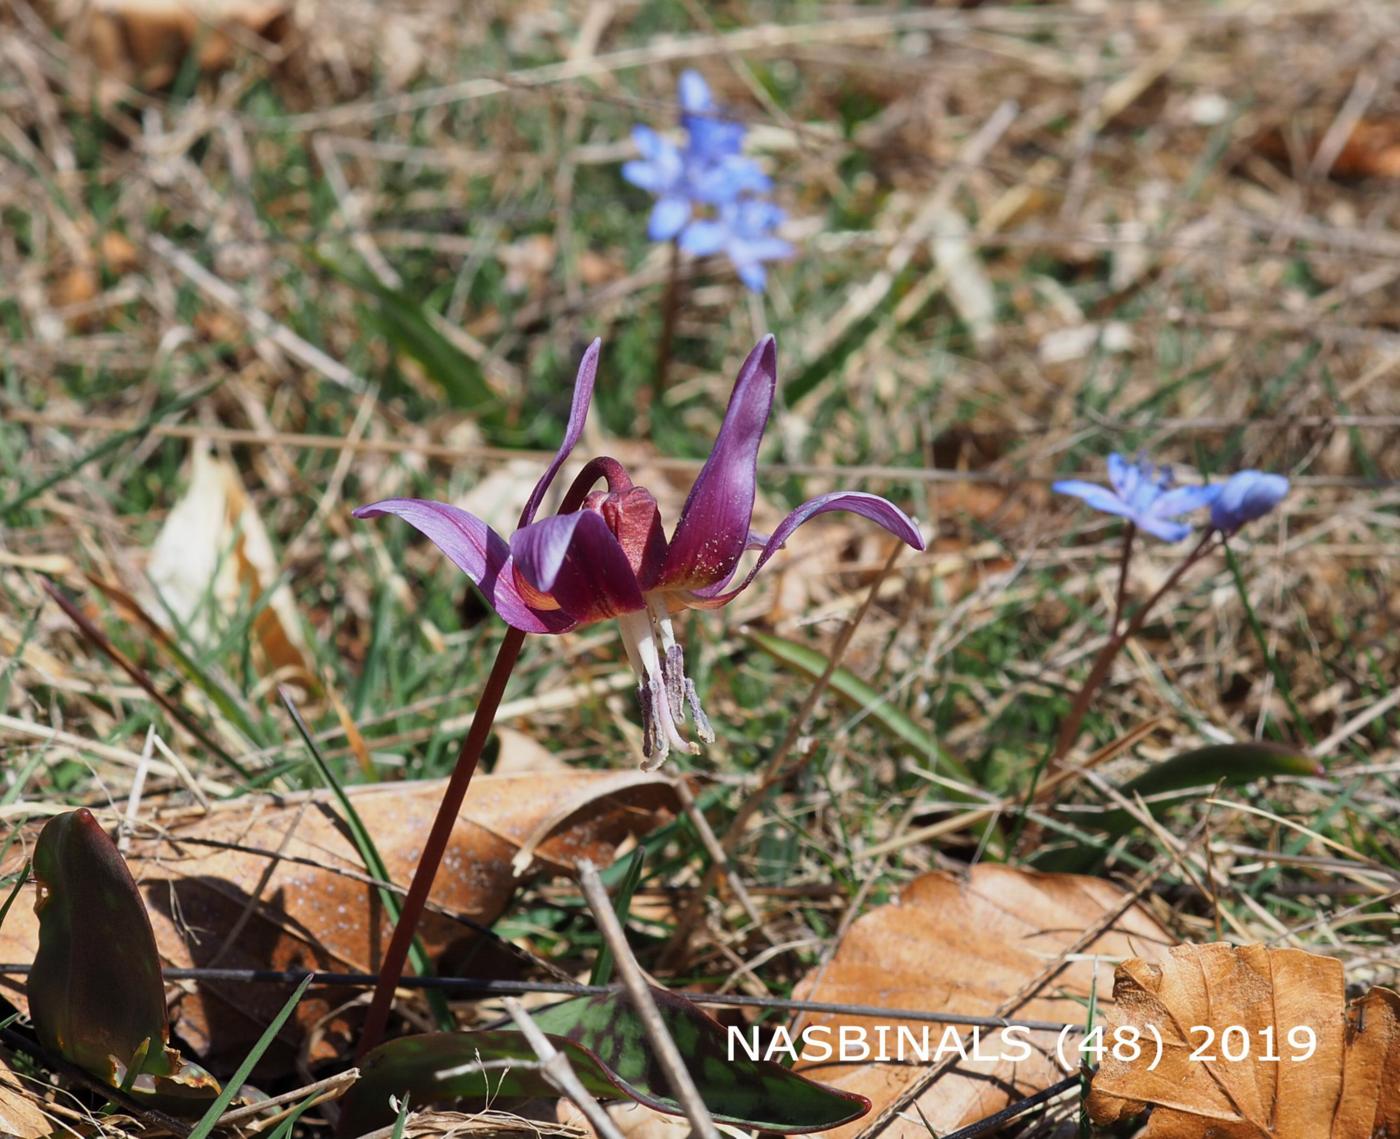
x,y
1122,595
670,313
436,846
1069,728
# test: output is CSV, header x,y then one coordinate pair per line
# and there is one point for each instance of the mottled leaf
x,y
1230,764
607,1046
95,991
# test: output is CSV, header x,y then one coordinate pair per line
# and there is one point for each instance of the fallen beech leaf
x,y
998,942
1255,1044
20,1117
277,883
214,549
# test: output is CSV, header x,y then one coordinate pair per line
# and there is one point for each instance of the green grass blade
x,y
860,695
14,892
210,1119
374,864
622,903
107,446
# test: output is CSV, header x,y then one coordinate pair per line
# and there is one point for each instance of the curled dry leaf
x,y
997,942
213,551
277,883
20,1116
1255,1043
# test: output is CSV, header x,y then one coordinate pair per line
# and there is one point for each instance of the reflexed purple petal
x,y
1183,499
668,218
1161,528
714,523
1245,496
704,237
578,412
475,549
576,559
872,506
1099,497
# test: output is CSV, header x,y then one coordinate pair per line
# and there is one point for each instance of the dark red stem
x,y
397,953
670,312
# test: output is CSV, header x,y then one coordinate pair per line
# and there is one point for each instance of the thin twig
x,y
555,1068
644,1004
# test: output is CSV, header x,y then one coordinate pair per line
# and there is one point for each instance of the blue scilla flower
x,y
1245,496
744,232
708,171
1144,494
708,195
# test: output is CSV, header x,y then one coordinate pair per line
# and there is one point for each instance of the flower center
x,y
663,688
635,520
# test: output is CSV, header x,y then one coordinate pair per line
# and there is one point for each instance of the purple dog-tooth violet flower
x,y
1245,496
1145,495
606,555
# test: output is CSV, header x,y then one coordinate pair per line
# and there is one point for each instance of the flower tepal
x,y
606,555
1144,494
1245,496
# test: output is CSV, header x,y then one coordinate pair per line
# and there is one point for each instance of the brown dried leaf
x,y
214,547
20,1117
999,941
1209,1001
146,41
219,894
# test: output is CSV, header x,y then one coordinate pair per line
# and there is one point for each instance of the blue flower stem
x,y
1098,673
670,314
377,1019
1129,532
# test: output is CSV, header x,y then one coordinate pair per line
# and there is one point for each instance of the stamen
x,y
660,731
663,689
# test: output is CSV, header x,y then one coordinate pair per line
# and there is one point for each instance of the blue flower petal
x,y
703,237
1161,528
668,218
752,274
1098,497
1182,499
694,92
